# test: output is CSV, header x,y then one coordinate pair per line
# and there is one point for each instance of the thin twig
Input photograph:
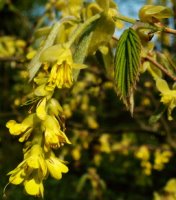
x,y
169,30
161,67
11,58
143,25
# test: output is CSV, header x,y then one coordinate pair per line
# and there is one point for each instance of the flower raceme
x,y
41,131
35,168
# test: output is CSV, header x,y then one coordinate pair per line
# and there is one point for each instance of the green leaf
x,y
81,52
127,63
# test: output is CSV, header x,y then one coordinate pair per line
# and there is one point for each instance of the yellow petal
x,y
14,127
33,162
17,178
56,167
43,167
10,123
34,187
41,109
25,135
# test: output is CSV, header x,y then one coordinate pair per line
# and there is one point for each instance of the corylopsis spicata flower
x,y
61,71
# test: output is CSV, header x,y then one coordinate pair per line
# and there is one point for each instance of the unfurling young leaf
x,y
127,63
151,13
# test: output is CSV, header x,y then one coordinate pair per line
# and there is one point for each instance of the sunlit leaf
x,y
127,63
102,34
81,52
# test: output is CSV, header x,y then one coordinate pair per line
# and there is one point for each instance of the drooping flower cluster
x,y
35,168
42,132
55,66
43,129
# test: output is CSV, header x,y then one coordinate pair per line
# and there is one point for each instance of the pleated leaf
x,y
127,63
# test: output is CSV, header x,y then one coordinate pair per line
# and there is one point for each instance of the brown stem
x,y
169,30
9,59
161,67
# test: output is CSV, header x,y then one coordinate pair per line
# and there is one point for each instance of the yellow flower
x,y
143,153
105,143
61,72
147,167
168,96
161,158
31,171
55,166
34,185
54,136
35,159
17,175
24,128
170,186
